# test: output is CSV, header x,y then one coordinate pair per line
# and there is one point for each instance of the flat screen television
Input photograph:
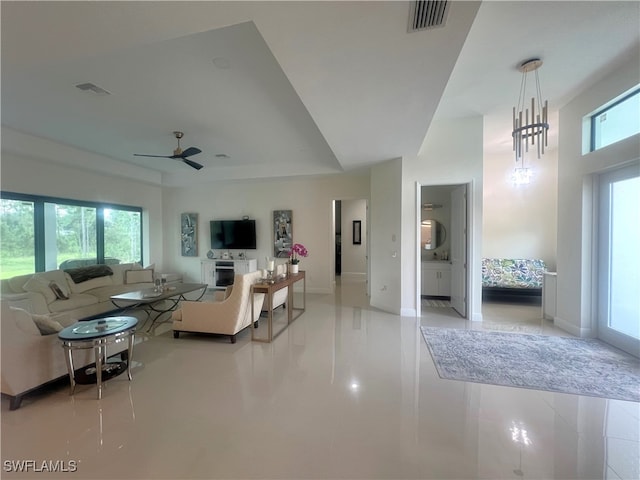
x,y
233,234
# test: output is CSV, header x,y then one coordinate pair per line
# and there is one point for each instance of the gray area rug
x,y
557,364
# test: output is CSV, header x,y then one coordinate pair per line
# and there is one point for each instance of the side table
x,y
97,334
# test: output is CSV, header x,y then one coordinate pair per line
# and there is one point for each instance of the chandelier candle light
x,y
534,127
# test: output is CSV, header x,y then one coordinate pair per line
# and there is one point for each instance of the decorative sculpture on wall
x,y
189,234
282,233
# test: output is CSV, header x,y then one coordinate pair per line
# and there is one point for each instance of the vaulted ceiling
x,y
279,88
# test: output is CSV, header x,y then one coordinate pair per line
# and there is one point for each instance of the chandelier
x,y
530,129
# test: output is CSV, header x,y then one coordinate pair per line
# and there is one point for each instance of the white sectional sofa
x,y
31,358
34,292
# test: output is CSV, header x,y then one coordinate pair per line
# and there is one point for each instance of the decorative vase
x,y
293,268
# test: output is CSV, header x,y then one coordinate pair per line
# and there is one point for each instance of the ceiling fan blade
x,y
195,165
190,151
155,156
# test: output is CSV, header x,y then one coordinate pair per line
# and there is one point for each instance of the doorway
x,y
442,220
350,241
619,259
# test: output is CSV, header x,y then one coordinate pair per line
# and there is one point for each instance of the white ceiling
x,y
297,88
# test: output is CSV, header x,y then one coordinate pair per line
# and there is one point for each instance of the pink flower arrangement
x,y
298,250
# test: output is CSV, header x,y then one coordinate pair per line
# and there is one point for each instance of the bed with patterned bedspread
x,y
512,279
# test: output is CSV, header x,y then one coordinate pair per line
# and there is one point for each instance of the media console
x,y
219,273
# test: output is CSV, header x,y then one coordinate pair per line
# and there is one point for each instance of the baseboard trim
x,y
354,276
572,329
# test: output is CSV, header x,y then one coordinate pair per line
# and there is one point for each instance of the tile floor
x,y
346,392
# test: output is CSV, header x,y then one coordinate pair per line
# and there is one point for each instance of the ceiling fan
x,y
179,154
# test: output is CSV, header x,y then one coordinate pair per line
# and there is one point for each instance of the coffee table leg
x,y
131,339
70,369
98,351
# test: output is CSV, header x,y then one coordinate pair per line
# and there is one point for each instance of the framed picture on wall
x,y
282,233
357,232
189,234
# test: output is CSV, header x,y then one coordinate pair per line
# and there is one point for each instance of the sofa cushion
x,y
118,271
17,283
89,284
35,324
76,300
512,272
46,324
39,284
57,276
82,274
138,276
23,321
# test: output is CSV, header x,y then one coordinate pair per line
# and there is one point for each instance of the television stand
x,y
219,273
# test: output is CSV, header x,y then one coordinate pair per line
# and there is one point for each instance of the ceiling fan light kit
x,y
178,153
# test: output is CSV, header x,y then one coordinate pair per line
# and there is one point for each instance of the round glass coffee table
x,y
97,334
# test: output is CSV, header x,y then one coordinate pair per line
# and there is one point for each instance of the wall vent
x,y
427,14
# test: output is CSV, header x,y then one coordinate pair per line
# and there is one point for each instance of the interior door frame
x,y
469,251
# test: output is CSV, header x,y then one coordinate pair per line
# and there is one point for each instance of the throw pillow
x,y
38,284
46,324
138,276
57,291
89,284
82,274
24,322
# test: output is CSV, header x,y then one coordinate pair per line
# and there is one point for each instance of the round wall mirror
x,y
432,234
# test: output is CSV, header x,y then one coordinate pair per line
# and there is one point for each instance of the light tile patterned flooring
x,y
347,391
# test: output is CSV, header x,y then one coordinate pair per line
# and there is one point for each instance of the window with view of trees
x,y
39,234
17,238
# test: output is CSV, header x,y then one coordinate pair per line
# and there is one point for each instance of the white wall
x,y
520,221
444,160
23,174
310,199
385,240
576,175
354,257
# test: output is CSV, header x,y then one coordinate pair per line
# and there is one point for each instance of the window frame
x,y
605,109
39,221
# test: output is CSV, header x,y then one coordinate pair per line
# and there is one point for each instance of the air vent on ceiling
x,y
427,14
91,87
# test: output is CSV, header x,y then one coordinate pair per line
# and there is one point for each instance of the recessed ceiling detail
x,y
426,14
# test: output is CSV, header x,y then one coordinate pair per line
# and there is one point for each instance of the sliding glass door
x,y
619,259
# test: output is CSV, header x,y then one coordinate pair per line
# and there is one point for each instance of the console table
x,y
269,289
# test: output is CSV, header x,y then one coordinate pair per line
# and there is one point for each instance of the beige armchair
x,y
226,317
